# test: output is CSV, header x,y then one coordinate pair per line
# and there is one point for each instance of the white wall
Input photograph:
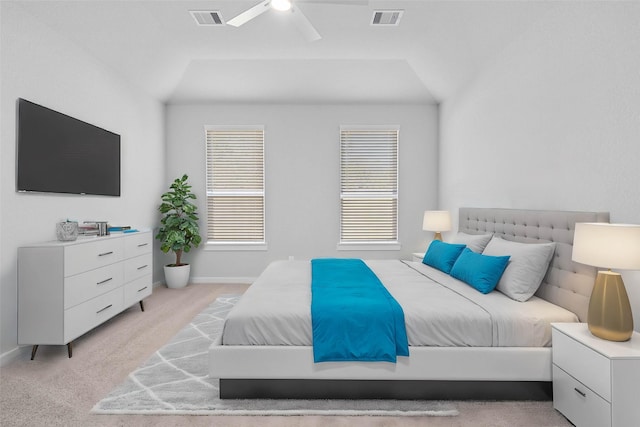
x,y
302,176
553,122
39,65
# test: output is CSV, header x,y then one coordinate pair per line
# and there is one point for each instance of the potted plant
x,y
179,230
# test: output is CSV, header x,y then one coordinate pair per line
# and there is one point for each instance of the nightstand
x,y
417,256
595,382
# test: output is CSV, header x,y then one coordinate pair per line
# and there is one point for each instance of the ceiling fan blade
x,y
304,25
249,14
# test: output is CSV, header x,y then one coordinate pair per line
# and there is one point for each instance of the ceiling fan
x,y
289,6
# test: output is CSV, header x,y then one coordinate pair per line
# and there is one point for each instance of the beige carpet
x,y
56,391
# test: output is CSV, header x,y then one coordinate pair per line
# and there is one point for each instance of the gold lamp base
x,y
437,236
609,314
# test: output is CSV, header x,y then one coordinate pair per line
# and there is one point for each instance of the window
x,y
369,185
235,185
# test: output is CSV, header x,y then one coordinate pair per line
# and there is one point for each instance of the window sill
x,y
373,246
211,246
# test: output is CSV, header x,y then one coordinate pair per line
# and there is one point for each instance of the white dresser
x,y
65,289
595,382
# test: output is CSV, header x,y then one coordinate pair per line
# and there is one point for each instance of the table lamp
x,y
610,246
437,221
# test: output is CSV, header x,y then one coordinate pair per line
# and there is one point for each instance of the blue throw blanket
x,y
354,317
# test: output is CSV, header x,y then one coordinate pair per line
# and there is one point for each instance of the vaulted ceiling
x,y
435,50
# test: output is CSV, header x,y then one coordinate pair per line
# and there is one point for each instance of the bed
x,y
480,346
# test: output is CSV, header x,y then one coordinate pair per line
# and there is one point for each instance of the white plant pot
x,y
177,277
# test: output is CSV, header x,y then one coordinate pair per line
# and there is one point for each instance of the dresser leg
x,y
141,305
34,349
69,350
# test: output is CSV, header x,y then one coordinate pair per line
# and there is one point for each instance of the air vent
x,y
207,17
386,17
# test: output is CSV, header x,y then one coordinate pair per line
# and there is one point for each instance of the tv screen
x,y
60,154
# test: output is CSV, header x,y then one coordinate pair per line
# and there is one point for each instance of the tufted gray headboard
x,y
567,284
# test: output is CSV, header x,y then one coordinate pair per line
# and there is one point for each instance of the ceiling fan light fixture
x,y
282,5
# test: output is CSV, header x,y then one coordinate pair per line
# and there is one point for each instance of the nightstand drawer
x,y
578,403
579,361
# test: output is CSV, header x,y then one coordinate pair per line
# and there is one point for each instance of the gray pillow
x,y
526,269
475,242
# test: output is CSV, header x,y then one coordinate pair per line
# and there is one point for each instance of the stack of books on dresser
x,y
120,229
93,229
88,230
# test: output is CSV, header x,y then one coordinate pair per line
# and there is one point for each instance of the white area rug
x,y
174,381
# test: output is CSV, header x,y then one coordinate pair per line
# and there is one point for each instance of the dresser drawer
x,y
578,403
579,361
86,316
137,244
137,267
94,254
137,290
84,286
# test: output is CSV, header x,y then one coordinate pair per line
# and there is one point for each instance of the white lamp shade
x,y
436,221
605,245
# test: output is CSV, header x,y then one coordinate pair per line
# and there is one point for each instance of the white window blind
x,y
235,184
369,184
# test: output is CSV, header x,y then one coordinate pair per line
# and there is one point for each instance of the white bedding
x,y
439,310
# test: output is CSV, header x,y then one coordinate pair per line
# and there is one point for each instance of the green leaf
x,y
179,230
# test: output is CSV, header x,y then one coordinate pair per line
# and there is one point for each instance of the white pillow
x,y
475,242
526,269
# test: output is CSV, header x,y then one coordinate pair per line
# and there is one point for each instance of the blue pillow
x,y
482,272
442,255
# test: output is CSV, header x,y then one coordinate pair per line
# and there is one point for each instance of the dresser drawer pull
x,y
105,281
100,311
106,253
142,244
581,393
143,266
140,290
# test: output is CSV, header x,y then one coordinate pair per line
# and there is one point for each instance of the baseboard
x,y
223,280
15,354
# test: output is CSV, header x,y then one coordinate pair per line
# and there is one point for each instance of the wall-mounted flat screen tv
x,y
60,154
